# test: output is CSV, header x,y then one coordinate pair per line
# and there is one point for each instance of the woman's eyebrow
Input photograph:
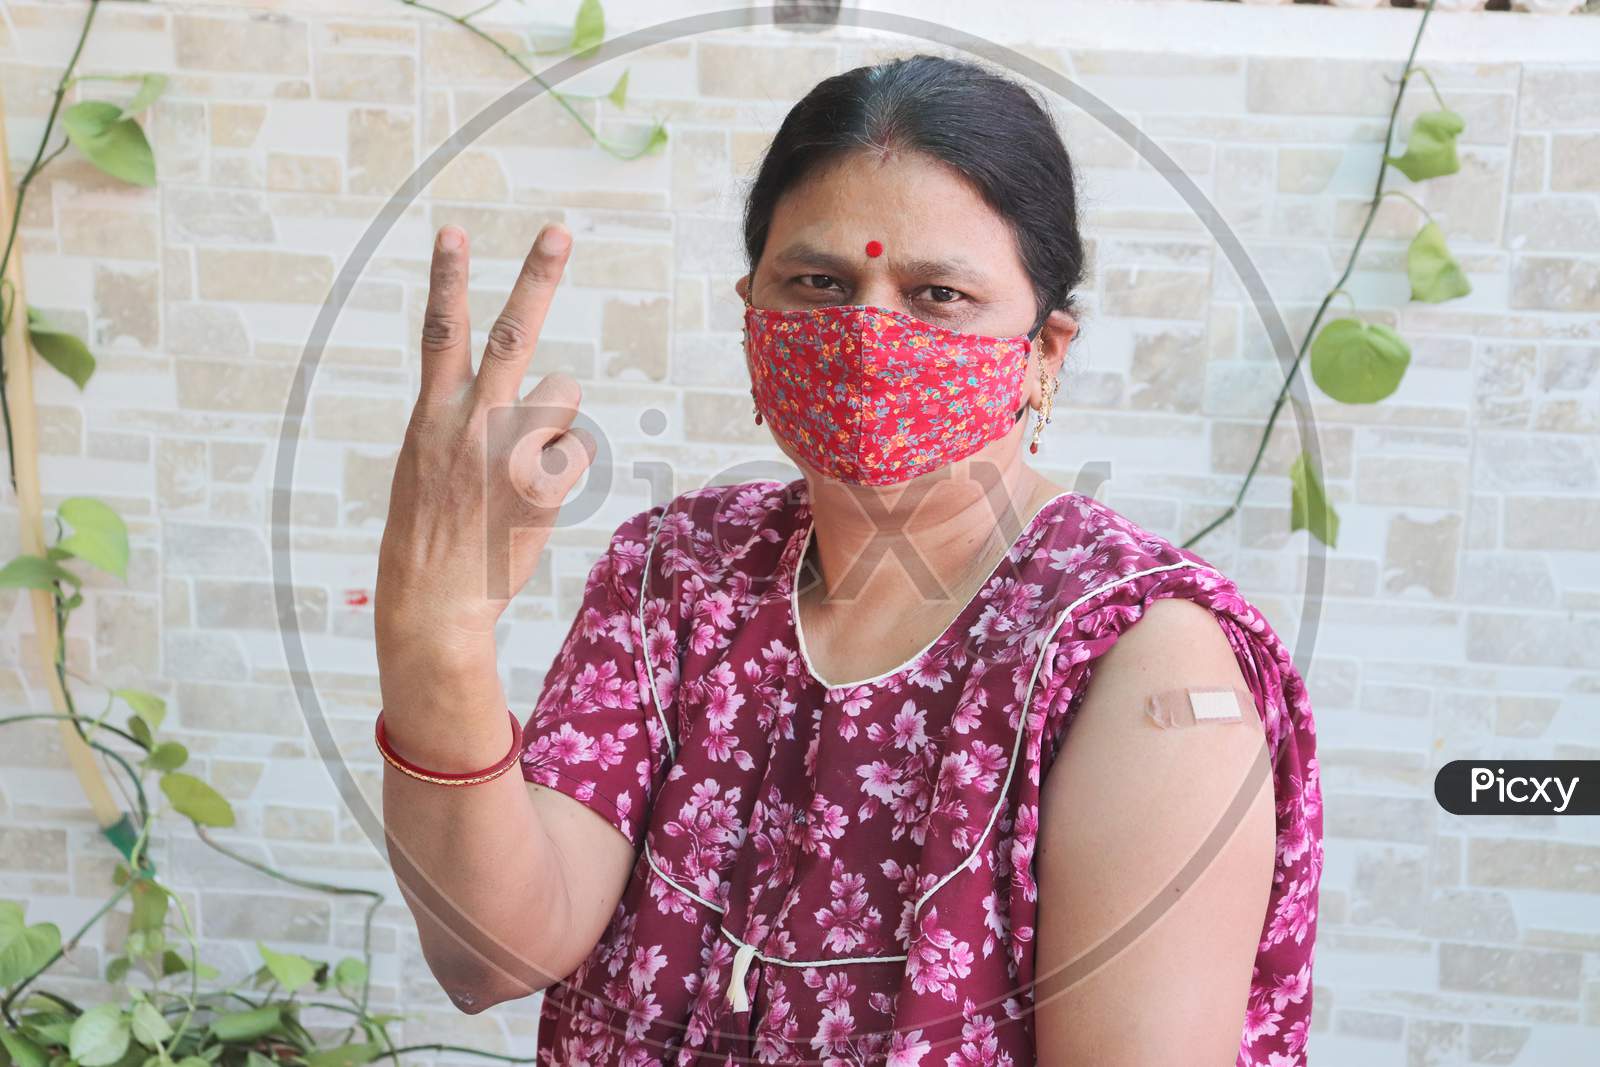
x,y
810,255
802,252
957,270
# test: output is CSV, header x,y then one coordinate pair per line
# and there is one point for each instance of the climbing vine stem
x,y
1351,352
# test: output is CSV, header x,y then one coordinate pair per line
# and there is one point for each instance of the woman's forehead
x,y
924,215
955,267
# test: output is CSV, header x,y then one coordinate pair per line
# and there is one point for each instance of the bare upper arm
x,y
596,863
1131,965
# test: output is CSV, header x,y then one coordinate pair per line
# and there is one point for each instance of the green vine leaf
x,y
1309,508
619,91
1358,362
658,137
110,141
24,1051
99,1036
150,1027
345,1056
24,949
194,798
141,732
247,1025
147,706
349,975
589,28
172,963
44,1021
98,535
150,905
150,87
143,943
167,756
1435,274
60,349
1431,146
34,572
290,970
49,1028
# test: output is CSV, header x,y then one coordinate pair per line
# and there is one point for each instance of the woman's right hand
x,y
482,471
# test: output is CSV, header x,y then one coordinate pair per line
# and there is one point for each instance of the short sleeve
x,y
594,732
1261,656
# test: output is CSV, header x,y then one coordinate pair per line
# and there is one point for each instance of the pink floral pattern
x,y
870,845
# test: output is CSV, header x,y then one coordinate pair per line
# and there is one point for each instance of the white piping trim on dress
x,y
1022,725
800,633
744,950
650,858
741,943
644,642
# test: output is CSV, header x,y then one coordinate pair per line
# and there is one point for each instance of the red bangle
x,y
403,765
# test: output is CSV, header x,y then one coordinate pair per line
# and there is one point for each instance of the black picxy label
x,y
1519,787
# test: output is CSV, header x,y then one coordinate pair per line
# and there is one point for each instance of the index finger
x,y
446,330
514,333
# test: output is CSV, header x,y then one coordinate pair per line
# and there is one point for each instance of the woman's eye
x,y
810,279
943,294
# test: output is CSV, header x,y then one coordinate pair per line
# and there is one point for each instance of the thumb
x,y
545,475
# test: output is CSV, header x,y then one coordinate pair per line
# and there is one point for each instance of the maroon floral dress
x,y
844,874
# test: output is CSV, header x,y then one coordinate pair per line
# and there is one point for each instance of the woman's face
x,y
947,257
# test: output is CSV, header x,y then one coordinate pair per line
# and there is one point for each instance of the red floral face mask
x,y
873,396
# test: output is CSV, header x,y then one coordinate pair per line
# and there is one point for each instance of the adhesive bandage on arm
x,y
1200,706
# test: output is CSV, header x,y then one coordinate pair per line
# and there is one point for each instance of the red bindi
x,y
874,248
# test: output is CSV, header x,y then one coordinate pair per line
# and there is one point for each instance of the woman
x,y
818,774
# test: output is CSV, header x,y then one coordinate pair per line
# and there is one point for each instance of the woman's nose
x,y
881,294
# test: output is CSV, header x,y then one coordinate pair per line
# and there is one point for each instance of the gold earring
x,y
1042,416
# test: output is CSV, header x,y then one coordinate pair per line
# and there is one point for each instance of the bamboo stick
x,y
30,510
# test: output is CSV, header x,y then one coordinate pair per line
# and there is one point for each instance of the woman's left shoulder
x,y
1106,571
1085,547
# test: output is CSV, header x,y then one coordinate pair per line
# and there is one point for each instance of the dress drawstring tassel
x,y
741,964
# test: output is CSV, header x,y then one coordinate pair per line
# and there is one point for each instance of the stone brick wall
x,y
1462,610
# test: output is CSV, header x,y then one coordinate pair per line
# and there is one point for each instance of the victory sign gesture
x,y
483,470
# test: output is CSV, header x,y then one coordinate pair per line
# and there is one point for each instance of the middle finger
x,y
516,331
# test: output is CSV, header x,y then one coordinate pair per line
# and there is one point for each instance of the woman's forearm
x,y
475,496
478,871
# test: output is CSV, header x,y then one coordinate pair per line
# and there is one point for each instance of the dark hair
x,y
987,127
